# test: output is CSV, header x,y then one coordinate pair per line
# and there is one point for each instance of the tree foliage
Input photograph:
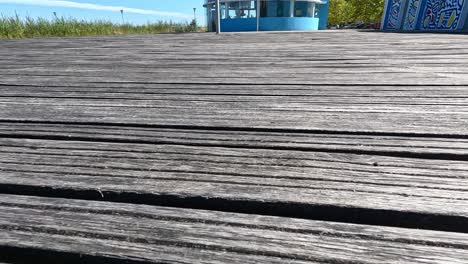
x,y
350,11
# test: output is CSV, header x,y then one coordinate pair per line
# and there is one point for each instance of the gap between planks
x,y
367,189
65,229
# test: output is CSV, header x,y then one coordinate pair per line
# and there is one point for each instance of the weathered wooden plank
x,y
218,114
139,90
356,79
172,235
303,99
320,57
430,188
332,81
161,89
345,126
263,102
169,72
406,146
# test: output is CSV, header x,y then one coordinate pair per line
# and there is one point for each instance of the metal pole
x,y
258,15
218,17
291,8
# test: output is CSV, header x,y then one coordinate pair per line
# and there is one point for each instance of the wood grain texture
x,y
340,81
171,235
384,145
429,186
345,126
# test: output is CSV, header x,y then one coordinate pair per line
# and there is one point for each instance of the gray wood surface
x,y
343,126
265,113
261,175
383,144
173,235
354,81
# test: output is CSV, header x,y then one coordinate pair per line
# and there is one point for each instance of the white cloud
x,y
70,4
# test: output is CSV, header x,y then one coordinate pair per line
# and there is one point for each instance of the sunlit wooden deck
x,y
321,147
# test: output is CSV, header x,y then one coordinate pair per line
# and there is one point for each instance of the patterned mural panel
x,y
395,13
412,15
442,14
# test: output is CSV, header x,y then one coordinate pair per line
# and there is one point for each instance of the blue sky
x,y
135,11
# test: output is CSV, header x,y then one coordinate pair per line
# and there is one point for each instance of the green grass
x,y
15,27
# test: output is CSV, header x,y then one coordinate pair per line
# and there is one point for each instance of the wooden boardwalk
x,y
323,147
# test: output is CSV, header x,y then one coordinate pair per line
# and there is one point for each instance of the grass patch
x,y
16,27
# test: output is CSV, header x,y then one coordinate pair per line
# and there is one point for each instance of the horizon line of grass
x,y
16,27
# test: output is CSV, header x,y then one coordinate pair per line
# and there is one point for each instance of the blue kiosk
x,y
268,15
